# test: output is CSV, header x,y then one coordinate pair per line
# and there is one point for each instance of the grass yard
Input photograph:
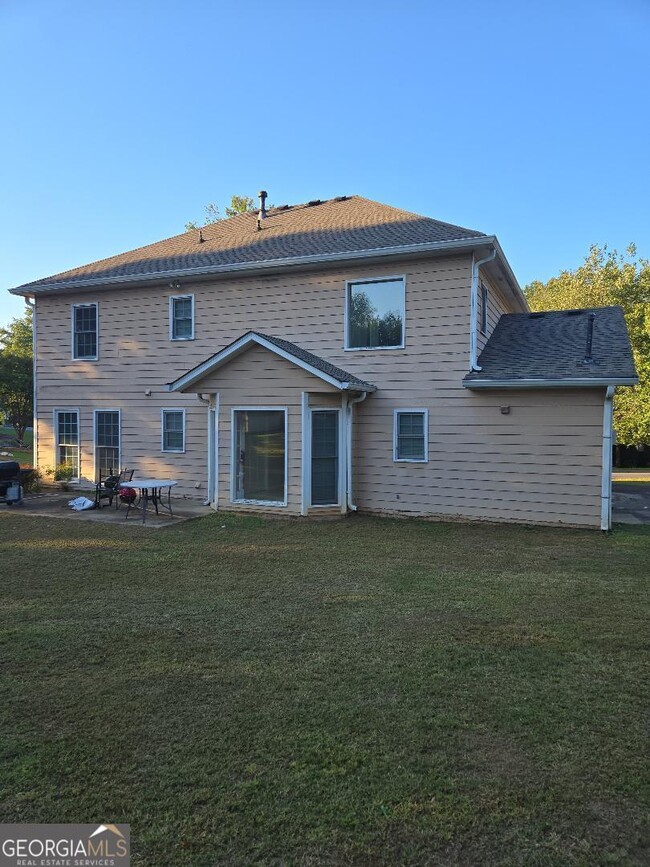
x,y
367,692
25,457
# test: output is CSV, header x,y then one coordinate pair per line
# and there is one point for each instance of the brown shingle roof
x,y
337,226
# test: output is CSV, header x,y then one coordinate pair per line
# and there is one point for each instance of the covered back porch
x,y
280,427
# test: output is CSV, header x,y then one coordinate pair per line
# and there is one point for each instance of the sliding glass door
x,y
259,456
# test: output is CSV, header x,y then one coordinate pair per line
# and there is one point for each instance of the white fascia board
x,y
253,268
548,383
510,275
239,346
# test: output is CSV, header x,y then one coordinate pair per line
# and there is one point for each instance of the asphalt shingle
x,y
336,226
552,346
317,362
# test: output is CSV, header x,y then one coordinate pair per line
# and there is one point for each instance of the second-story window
x,y
375,314
484,309
181,317
84,331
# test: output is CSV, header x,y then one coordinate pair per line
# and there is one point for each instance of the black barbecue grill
x,y
11,491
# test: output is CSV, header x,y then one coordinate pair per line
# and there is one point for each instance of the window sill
x,y
259,503
410,460
373,348
180,339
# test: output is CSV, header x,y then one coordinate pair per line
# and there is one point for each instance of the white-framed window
x,y
66,440
324,450
411,435
375,313
107,442
258,473
172,423
85,321
181,317
484,309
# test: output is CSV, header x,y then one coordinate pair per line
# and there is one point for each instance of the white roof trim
x,y
548,383
98,281
236,348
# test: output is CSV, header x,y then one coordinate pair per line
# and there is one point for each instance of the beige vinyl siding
x,y
497,306
136,355
258,378
541,462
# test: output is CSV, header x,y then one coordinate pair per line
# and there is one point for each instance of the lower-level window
x,y
67,440
107,442
259,455
173,430
410,435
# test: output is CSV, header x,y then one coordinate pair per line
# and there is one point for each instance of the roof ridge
x,y
419,216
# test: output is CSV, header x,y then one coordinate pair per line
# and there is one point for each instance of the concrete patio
x,y
54,504
631,503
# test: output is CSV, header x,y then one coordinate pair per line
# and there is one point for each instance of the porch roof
x,y
313,364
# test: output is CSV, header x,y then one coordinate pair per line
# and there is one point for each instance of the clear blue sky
x,y
120,120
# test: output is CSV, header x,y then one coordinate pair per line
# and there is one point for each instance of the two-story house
x,y
327,357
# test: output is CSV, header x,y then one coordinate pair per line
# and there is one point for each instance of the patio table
x,y
151,489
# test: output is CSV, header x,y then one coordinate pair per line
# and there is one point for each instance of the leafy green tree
x,y
238,205
16,374
607,277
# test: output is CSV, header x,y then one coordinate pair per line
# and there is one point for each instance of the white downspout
x,y
348,449
473,309
606,487
209,401
32,305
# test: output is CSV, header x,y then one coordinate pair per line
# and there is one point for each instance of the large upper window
x,y
410,435
181,317
84,331
259,456
375,314
173,430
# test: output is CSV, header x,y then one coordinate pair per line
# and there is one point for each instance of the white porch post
x,y
343,453
305,495
213,451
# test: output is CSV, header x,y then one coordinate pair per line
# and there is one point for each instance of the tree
x,y
16,374
607,277
367,327
238,205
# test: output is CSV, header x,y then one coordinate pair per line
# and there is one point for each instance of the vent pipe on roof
x,y
262,214
590,338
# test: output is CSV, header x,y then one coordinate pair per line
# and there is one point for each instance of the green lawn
x,y
368,692
25,457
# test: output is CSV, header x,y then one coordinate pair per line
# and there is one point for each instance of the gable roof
x,y
544,349
313,364
347,225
